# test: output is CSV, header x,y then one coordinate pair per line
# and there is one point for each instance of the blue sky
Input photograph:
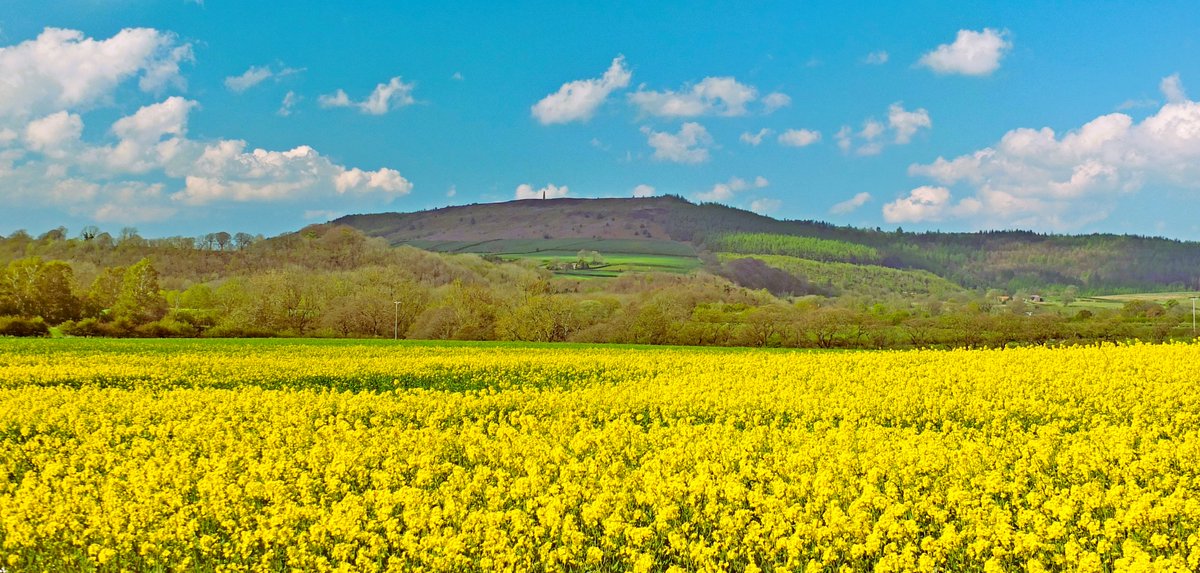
x,y
185,117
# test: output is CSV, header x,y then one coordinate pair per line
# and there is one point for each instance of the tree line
x,y
332,281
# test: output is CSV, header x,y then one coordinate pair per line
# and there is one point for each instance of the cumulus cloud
x,y
876,58
225,171
906,123
385,97
578,100
152,138
690,145
756,138
871,139
765,206
356,180
65,70
54,134
643,191
252,77
1172,89
130,202
850,205
723,96
256,75
928,203
865,141
550,191
775,100
290,100
144,166
972,53
726,191
1040,179
799,137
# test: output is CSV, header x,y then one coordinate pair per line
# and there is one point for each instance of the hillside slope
x,y
1012,260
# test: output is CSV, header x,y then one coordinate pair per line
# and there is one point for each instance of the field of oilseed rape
x,y
334,456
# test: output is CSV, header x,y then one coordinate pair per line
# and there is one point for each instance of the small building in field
x,y
1036,298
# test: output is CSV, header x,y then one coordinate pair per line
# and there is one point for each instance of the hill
x,y
1010,260
332,280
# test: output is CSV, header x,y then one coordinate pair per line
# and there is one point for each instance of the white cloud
x,y
643,191
1040,179
225,171
205,190
337,99
132,202
755,138
92,180
868,137
765,206
64,70
1172,89
799,137
356,180
774,101
290,100
871,130
578,100
150,123
876,58
870,140
163,73
725,191
845,138
928,203
723,96
256,75
252,77
385,97
54,134
551,191
906,123
321,214
972,53
851,204
1137,103
457,76
452,191
152,138
690,145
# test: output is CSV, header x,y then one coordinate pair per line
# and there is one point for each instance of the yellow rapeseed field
x,y
322,456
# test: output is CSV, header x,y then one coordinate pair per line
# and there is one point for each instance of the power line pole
x,y
1193,317
395,321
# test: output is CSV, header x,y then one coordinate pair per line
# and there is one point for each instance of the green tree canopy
x,y
140,300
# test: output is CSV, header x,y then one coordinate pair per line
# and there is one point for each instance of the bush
x,y
236,331
91,327
166,328
18,326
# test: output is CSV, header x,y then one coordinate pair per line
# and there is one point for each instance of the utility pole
x,y
1193,317
395,321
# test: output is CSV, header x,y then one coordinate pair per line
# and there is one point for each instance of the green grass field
x,y
854,278
544,246
1116,301
619,255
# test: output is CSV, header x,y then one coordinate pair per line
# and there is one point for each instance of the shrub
x,y
18,326
166,328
